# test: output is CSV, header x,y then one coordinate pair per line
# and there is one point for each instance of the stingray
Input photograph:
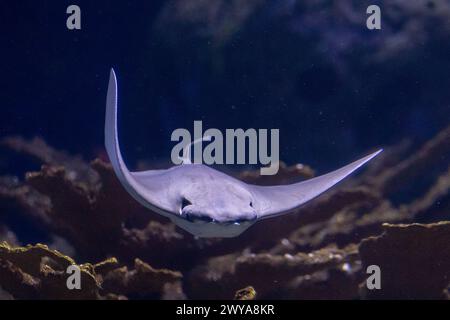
x,y
204,201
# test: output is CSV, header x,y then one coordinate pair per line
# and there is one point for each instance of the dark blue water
x,y
333,88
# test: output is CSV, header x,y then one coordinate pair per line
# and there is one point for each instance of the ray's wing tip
x,y
359,163
369,157
112,87
373,155
112,75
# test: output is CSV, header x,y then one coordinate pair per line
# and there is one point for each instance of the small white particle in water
x,y
285,242
72,175
346,267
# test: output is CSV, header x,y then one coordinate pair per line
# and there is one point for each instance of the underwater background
x,y
312,69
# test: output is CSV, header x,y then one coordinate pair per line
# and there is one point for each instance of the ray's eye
x,y
184,203
251,204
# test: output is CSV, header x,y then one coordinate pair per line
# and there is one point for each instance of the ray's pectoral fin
x,y
132,181
277,200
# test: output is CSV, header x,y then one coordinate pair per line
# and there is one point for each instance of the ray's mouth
x,y
186,213
199,219
208,219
